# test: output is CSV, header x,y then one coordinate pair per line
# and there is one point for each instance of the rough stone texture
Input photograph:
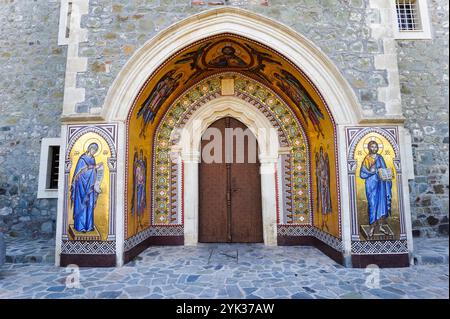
x,y
340,28
423,66
32,68
212,271
2,249
22,250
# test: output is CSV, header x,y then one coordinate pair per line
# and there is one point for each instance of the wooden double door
x,y
230,193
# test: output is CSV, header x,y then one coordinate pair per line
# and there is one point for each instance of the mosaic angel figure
x,y
162,90
261,58
293,88
193,58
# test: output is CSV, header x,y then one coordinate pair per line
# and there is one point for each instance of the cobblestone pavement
x,y
431,250
225,271
23,250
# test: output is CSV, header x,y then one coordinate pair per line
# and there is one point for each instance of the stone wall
x,y
423,66
116,29
32,68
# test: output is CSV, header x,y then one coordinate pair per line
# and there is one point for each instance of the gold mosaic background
x,y
101,211
387,151
253,60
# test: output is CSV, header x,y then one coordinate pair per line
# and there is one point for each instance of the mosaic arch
x,y
295,165
274,86
145,205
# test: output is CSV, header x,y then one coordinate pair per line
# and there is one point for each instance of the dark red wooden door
x,y
230,191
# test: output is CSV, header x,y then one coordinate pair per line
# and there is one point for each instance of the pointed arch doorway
x,y
229,185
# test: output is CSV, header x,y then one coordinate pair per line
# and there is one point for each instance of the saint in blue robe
x,y
378,192
83,195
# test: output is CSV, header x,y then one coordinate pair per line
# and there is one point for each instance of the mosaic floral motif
x,y
296,178
166,172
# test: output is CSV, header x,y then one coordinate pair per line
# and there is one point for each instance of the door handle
x,y
234,190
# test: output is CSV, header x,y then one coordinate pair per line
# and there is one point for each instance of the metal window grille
x,y
408,15
53,167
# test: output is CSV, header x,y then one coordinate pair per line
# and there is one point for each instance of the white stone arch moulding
x,y
189,150
325,76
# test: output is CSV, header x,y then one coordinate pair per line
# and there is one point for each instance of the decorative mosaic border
x,y
75,247
297,173
379,247
153,231
296,178
165,203
283,230
355,134
307,230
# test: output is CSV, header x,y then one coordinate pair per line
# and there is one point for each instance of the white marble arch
x,y
189,148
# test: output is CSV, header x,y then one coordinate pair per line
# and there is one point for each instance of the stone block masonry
x,y
116,29
423,68
229,2
32,66
2,249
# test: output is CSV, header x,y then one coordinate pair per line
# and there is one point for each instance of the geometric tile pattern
x,y
312,231
88,247
295,231
153,231
376,247
328,239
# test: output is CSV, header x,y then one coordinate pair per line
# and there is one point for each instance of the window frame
x,y
44,167
424,34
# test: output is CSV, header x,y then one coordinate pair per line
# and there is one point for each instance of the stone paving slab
x,y
22,250
2,249
19,250
431,250
180,272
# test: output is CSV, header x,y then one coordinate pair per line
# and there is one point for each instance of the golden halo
x,y
89,142
370,139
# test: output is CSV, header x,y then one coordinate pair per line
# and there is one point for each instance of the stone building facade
x,y
49,78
